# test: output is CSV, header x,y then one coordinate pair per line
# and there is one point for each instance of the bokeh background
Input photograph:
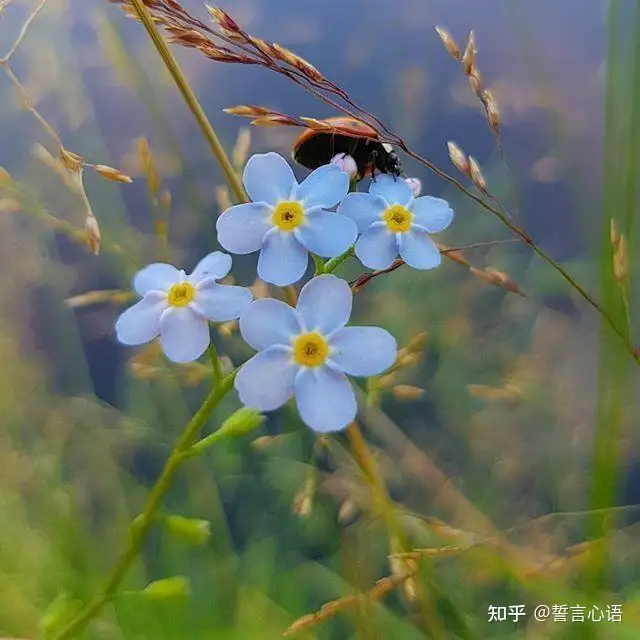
x,y
526,406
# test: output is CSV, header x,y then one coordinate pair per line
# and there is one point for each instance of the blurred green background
x,y
523,411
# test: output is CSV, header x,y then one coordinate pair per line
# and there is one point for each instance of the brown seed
x,y
93,235
71,160
621,260
223,19
476,174
493,114
614,234
448,42
112,174
247,110
458,157
469,56
407,392
475,80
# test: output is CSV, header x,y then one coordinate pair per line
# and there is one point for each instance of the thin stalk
x,y
331,265
142,524
192,101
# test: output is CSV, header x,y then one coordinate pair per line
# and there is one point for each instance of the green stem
x,y
192,101
318,263
331,265
216,365
142,524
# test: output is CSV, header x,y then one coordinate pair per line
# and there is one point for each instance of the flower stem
x,y
331,265
215,364
190,98
142,524
318,263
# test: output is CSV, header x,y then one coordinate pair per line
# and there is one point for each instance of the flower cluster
x,y
306,352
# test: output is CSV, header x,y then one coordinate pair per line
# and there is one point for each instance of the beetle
x,y
314,148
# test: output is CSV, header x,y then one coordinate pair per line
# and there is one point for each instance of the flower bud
x,y
415,185
621,261
346,163
176,588
58,613
189,530
241,422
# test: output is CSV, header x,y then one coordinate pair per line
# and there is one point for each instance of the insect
x,y
314,148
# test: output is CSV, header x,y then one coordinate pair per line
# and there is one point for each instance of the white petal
x,y
363,351
283,260
434,214
363,208
242,228
216,265
184,334
325,304
267,322
325,399
269,178
418,250
140,323
323,187
326,234
265,382
221,302
155,277
377,248
393,190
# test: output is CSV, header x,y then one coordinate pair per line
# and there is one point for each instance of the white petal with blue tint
x,y
326,234
325,399
242,227
325,304
267,322
323,187
265,382
140,323
377,248
283,260
268,178
221,303
434,214
215,265
184,334
155,277
363,351
393,190
418,250
363,208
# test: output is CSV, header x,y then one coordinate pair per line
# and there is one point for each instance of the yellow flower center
x,y
288,215
310,350
398,218
180,295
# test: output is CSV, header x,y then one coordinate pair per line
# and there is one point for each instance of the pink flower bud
x,y
346,163
415,185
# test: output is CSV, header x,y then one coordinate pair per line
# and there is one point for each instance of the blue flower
x,y
177,307
305,352
286,220
392,221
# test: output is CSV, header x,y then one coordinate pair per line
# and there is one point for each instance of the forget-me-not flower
x,y
305,352
392,221
177,306
286,220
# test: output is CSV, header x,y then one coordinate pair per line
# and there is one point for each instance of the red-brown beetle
x,y
314,147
